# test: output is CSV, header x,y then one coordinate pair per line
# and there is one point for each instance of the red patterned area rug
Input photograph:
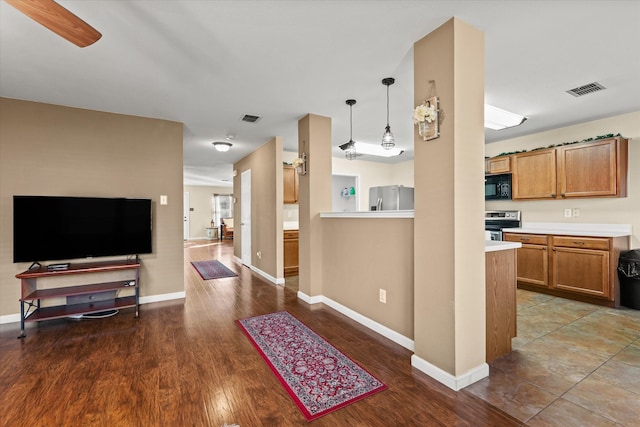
x,y
318,377
213,269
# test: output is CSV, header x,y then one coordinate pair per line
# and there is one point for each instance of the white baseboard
x,y
267,276
363,320
163,297
15,318
451,381
9,318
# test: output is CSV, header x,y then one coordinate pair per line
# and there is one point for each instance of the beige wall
x,y
54,150
625,210
362,256
449,171
314,138
201,205
265,164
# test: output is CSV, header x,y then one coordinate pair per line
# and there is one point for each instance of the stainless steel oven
x,y
495,221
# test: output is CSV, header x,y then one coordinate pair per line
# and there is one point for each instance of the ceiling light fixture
x,y
388,141
223,147
350,147
496,118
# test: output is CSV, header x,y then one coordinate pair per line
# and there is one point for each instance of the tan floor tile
x,y
523,366
600,340
630,355
563,413
607,400
620,375
519,399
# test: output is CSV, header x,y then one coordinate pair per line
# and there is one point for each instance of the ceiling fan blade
x,y
59,20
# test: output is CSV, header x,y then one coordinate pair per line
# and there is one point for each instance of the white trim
x,y
451,381
15,318
267,276
10,318
369,214
363,320
163,297
371,324
309,300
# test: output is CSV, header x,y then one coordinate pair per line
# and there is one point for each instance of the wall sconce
x,y
301,164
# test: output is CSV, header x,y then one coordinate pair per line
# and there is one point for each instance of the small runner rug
x,y
212,269
318,377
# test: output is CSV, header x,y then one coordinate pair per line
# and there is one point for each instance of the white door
x,y
245,217
185,207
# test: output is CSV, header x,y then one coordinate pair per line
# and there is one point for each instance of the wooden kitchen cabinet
x,y
578,268
532,260
290,177
290,253
534,175
588,169
574,267
593,169
500,164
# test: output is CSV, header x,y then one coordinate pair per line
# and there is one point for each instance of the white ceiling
x,y
207,63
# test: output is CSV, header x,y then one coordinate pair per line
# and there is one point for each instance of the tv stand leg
x,y
22,334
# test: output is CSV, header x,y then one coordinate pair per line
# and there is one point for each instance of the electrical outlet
x,y
383,296
259,254
576,213
567,213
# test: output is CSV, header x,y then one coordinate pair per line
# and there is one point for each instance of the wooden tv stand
x,y
31,311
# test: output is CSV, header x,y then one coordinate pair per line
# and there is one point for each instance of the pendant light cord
x,y
387,105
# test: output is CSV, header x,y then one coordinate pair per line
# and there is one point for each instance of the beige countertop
x,y
494,245
572,229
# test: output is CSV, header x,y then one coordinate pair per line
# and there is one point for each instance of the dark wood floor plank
x,y
187,363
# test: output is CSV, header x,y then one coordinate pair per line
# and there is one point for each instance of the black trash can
x,y
629,274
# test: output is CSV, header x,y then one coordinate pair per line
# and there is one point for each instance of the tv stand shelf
x,y
31,311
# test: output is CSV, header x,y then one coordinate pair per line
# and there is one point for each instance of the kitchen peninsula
x,y
369,275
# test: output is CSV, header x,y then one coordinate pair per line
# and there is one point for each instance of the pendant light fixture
x,y
350,147
388,141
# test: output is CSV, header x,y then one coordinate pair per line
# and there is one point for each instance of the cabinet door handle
x,y
578,243
553,194
563,194
524,239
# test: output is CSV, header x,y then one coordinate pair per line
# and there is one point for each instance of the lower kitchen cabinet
x,y
532,260
290,247
576,267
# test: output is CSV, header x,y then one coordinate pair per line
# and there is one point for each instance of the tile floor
x,y
572,364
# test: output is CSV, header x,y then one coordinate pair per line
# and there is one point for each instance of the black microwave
x,y
497,187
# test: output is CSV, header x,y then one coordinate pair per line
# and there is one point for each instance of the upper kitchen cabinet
x,y
290,177
534,174
587,169
593,169
498,165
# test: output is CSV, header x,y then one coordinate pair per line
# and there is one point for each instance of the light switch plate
x,y
567,213
164,200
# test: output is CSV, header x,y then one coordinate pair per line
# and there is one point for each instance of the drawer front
x,y
531,239
582,242
291,234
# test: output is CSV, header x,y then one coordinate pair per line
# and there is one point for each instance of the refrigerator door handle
x,y
379,203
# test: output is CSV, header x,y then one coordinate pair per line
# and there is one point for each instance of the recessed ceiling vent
x,y
586,89
249,118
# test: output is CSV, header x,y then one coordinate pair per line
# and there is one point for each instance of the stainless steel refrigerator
x,y
390,198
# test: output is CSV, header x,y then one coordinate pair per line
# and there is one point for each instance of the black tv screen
x,y
55,228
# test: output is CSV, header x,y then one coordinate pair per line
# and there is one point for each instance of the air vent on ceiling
x,y
250,118
586,89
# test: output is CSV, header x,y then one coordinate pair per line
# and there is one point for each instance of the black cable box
x,y
57,267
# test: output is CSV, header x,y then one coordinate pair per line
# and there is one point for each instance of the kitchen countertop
x,y
494,245
369,214
290,225
595,230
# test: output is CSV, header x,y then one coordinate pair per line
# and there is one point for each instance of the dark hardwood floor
x,y
188,364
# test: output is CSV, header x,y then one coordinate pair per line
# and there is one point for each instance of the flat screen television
x,y
49,228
